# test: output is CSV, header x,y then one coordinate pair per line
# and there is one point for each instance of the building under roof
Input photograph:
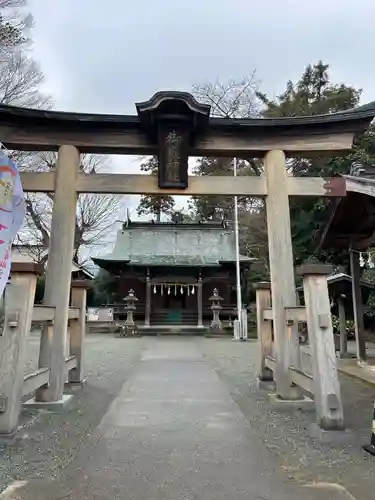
x,y
173,269
351,226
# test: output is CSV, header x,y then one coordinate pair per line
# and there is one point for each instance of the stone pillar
x,y
355,269
59,270
343,333
264,329
19,304
148,299
78,329
200,302
327,394
282,273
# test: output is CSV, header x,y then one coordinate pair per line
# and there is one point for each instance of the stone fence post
x,y
19,304
264,329
323,357
78,329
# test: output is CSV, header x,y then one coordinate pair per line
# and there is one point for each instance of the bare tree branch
x,y
96,214
234,99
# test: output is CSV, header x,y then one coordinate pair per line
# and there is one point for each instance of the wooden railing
x,y
20,314
280,355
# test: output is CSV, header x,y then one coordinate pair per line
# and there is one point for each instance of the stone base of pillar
x,y
292,404
129,331
75,385
8,439
266,385
59,405
347,355
335,436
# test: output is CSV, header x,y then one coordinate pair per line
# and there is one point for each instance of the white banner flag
x,y
12,213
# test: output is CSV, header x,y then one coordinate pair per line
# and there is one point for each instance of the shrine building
x,y
173,267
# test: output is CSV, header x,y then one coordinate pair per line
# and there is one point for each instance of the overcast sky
x,y
103,56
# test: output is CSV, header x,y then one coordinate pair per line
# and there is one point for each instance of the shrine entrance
x,y
174,126
173,304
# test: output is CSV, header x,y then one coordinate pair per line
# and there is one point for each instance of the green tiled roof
x,y
185,245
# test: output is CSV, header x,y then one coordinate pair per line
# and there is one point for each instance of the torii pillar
x,y
283,287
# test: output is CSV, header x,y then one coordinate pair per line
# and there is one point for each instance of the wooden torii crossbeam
x,y
44,182
174,126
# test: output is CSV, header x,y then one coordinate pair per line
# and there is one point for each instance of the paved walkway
x,y
181,418
173,432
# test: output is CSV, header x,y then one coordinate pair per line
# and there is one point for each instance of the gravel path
x,y
47,442
286,433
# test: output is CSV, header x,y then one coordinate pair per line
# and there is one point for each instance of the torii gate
x,y
175,126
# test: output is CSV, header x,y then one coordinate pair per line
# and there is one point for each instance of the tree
x,y
155,205
211,207
20,75
96,214
20,81
13,24
235,99
313,94
105,287
232,99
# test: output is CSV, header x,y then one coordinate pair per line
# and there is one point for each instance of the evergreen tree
x,y
312,94
155,205
315,94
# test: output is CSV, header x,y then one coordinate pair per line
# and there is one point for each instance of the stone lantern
x,y
215,299
129,328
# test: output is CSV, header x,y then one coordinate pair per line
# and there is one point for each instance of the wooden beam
x,y
34,380
19,299
360,185
70,364
316,186
198,185
264,330
218,144
298,377
343,333
74,313
326,384
267,314
132,141
270,362
296,313
355,269
43,313
125,141
302,379
78,330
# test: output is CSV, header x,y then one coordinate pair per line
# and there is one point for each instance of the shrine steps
x,y
179,330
